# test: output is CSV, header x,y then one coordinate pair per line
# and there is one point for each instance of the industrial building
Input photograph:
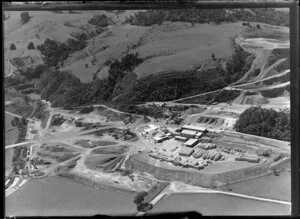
x,y
188,133
159,139
199,134
180,138
191,142
194,128
185,151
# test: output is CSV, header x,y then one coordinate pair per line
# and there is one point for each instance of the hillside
x,y
177,59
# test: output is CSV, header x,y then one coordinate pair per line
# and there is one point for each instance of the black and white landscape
x,y
127,112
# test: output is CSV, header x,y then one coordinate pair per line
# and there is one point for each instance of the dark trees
x,y
25,17
30,46
12,46
139,198
99,20
264,122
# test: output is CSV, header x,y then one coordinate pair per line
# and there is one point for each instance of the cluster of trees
x,y
55,53
21,124
249,25
64,89
86,109
30,46
265,122
25,17
99,20
139,200
265,15
12,46
86,35
118,69
32,73
238,65
275,92
61,88
19,160
39,110
173,86
153,110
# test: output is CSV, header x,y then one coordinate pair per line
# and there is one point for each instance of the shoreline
x,y
98,185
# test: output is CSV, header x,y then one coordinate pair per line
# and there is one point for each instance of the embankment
x,y
87,182
198,178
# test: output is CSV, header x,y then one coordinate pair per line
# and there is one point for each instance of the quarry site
x,y
157,144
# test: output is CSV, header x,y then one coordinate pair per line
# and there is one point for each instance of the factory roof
x,y
194,128
188,132
180,137
186,150
191,141
160,137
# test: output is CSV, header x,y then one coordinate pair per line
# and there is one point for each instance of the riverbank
x,y
218,204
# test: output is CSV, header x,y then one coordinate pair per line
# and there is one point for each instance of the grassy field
x,y
178,46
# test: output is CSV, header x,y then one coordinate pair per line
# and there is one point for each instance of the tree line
x,y
264,15
265,122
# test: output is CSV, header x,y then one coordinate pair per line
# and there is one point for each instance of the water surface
x,y
57,197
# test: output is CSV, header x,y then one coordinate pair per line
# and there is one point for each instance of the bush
x,y
30,46
264,15
31,73
86,110
12,46
55,52
139,198
25,17
99,20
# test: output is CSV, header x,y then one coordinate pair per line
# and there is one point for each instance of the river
x,y
218,204
57,197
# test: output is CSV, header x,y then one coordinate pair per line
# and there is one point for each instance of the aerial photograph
x,y
145,112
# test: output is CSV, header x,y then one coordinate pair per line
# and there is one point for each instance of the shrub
x,y
25,17
99,20
30,46
86,110
12,46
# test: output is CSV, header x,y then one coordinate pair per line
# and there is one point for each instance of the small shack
x,y
188,133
